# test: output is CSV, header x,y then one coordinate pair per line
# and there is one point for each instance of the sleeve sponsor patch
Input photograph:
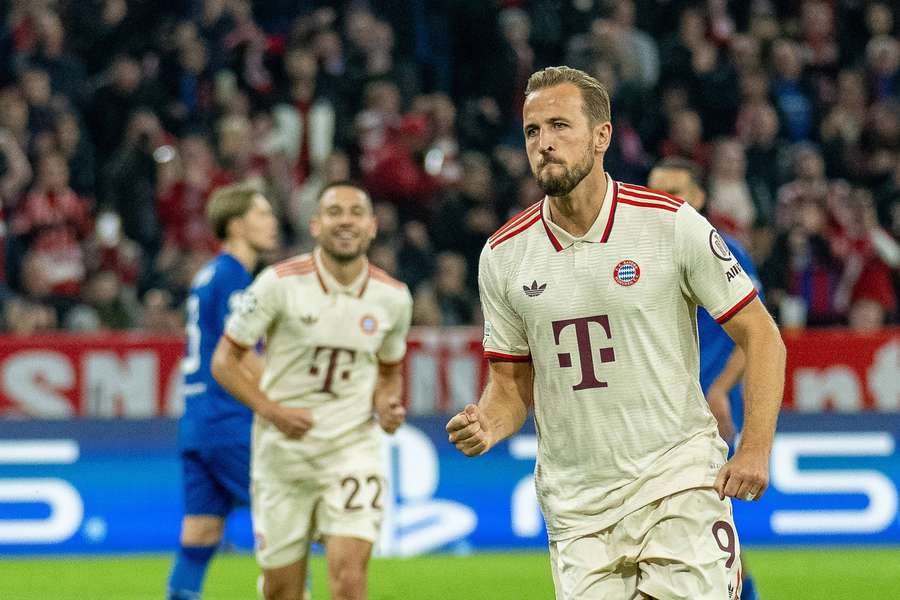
x,y
718,246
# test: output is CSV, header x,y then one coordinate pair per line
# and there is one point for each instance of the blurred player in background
x,y
335,331
590,303
214,432
721,361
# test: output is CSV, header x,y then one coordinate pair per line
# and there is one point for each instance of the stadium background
x,y
117,118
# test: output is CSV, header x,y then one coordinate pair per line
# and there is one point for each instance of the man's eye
x,y
531,132
559,125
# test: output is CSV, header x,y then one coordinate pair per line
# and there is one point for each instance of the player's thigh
x,y
231,468
592,567
283,524
203,494
690,549
352,501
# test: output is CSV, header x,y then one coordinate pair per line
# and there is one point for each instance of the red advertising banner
x,y
136,376
115,375
838,370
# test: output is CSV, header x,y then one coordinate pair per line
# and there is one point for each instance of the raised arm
x,y
501,412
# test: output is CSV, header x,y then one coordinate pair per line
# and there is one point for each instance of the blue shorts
x,y
216,480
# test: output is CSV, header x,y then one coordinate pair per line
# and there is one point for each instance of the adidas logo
x,y
730,590
308,319
534,290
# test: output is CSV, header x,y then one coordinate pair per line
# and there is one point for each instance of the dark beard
x,y
563,185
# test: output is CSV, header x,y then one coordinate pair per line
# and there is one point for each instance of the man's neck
x,y
577,211
345,272
243,252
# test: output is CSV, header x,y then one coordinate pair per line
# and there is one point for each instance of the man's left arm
x,y
746,475
388,397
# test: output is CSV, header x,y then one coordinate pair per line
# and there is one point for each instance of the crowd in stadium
x,y
119,117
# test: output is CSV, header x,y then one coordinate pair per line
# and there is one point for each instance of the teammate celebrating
x,y
335,332
590,303
721,362
214,432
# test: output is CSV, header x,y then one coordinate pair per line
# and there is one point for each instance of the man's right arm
x,y
501,412
228,368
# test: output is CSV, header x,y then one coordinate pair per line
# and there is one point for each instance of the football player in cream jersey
x,y
335,331
591,299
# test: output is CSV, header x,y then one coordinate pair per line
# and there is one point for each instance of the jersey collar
x,y
329,284
599,231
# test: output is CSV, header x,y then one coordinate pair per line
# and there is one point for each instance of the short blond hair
x,y
593,93
227,203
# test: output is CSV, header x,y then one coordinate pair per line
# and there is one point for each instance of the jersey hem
x,y
602,524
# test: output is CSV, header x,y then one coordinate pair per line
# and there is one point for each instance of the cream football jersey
x,y
609,321
324,342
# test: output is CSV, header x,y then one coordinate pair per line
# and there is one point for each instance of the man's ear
x,y
602,136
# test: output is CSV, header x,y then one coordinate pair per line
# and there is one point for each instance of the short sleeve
x,y
257,308
710,274
393,347
504,331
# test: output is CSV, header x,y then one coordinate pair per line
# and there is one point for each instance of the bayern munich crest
x,y
627,273
368,324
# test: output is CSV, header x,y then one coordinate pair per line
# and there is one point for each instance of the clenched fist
x,y
391,414
469,431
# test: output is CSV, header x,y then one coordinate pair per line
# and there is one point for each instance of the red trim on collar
x,y
556,245
612,213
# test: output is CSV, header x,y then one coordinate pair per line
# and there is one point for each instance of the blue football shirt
x,y
211,416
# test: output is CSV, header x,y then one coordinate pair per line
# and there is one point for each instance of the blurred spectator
x,y
467,217
307,118
79,152
184,184
448,293
66,71
160,315
685,138
791,95
130,177
24,317
50,225
731,206
114,103
637,44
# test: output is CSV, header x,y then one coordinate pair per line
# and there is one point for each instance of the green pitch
x,y
838,574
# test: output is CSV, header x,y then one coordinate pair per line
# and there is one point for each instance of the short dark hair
x,y
594,96
342,183
679,163
227,203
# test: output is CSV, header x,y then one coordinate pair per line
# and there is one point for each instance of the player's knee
x,y
201,531
275,589
348,580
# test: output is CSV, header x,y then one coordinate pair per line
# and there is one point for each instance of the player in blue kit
x,y
721,361
214,432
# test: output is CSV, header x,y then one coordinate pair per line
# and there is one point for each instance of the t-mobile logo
x,y
585,353
332,363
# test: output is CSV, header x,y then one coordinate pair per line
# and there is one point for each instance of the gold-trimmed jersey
x,y
609,321
324,342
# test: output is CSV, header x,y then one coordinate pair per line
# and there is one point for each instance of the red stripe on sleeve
x,y
737,307
507,357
